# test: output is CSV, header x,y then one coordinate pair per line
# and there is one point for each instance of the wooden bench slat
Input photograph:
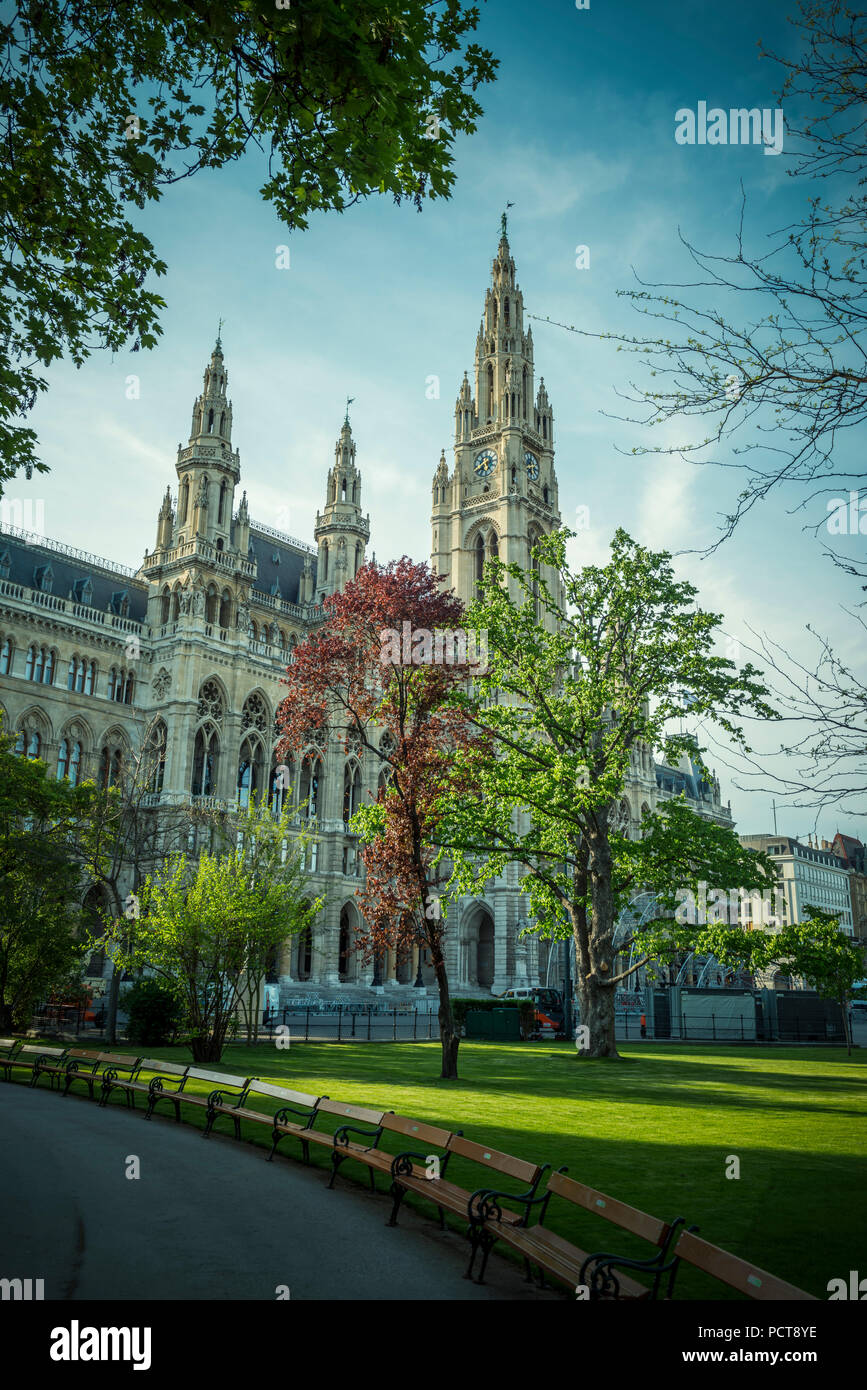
x,y
737,1273
351,1112
414,1129
218,1078
155,1064
265,1088
492,1158
630,1218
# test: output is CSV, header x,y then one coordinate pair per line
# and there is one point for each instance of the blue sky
x,y
578,133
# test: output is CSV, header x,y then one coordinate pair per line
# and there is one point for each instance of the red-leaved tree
x,y
390,652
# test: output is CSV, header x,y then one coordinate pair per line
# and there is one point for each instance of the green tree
x,y
265,856
570,713
831,962
202,925
40,882
105,106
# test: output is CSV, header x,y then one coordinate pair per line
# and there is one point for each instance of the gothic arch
x,y
347,945
477,946
210,707
486,525
35,718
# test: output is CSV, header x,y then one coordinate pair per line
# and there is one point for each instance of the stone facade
x,y
187,652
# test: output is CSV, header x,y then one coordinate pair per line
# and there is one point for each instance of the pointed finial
x,y
349,401
503,220
219,346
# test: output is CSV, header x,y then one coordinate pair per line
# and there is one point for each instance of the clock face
x,y
485,463
532,465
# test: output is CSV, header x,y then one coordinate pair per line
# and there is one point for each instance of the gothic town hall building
x,y
189,648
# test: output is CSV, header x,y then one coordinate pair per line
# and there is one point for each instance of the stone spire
x,y
341,532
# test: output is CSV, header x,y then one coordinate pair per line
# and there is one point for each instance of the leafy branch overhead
x,y
105,106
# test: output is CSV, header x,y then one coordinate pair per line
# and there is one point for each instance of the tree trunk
x,y
595,993
449,1037
206,1048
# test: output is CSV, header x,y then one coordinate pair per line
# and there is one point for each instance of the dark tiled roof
x,y
280,576
27,558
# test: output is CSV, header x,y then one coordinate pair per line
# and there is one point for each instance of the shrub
x,y
154,1015
460,1008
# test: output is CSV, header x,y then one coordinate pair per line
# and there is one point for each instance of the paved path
x,y
207,1219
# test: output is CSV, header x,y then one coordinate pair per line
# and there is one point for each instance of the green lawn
x,y
654,1130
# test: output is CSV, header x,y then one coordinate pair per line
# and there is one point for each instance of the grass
x,y
655,1130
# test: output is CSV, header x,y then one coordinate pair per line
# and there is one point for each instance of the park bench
x,y
173,1075
737,1273
86,1066
52,1062
113,1064
8,1048
600,1273
377,1160
461,1201
237,1109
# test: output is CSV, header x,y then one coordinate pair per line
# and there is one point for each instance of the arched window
x,y
211,605
90,679
79,675
491,411
210,421
324,560
95,923
506,312
205,759
280,786
31,661
345,947
19,743
62,759
176,603
222,506
129,687
305,953
534,568
48,668
493,545
343,490
112,683
156,757
524,395
226,609
73,668
351,790
480,559
165,605
311,772
6,657
116,766
75,764
183,505
34,744
222,421
545,494
249,771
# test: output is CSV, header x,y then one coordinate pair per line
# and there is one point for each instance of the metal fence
x,y
332,1022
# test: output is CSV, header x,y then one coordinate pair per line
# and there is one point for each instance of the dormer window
x,y
275,590
43,579
82,591
120,603
5,565
275,558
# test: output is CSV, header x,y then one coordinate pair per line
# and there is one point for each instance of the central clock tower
x,y
501,494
